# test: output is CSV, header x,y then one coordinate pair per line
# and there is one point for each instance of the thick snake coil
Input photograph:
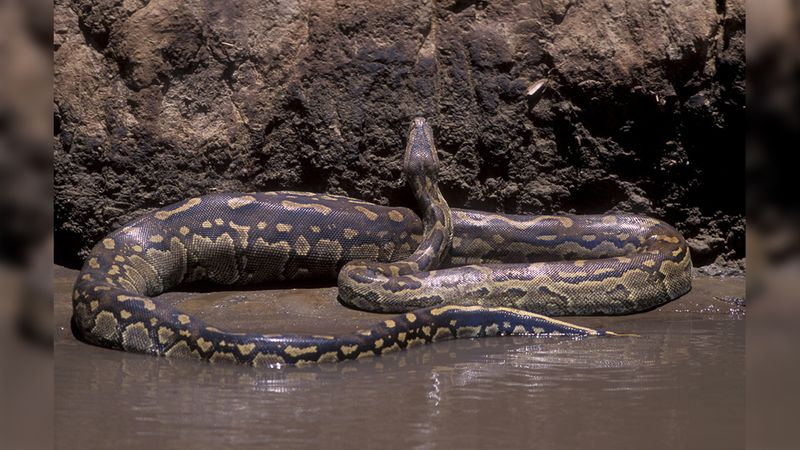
x,y
497,273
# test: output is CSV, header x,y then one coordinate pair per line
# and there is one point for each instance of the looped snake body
x,y
451,273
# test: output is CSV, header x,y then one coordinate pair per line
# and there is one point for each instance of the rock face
x,y
158,100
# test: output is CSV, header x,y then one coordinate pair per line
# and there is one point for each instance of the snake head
x,y
420,157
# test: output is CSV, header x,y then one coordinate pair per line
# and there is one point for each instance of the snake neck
x,y
437,222
422,168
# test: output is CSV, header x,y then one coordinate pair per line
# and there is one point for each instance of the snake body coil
x,y
497,274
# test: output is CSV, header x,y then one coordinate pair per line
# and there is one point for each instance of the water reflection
x,y
679,383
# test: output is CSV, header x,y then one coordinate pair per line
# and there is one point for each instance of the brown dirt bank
x,y
156,101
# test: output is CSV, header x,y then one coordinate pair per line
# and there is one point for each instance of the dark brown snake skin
x,y
453,274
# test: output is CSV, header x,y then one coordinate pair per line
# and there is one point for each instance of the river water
x,y
680,384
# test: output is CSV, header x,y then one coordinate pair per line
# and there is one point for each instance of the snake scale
x,y
450,273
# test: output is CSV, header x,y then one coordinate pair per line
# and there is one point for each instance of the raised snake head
x,y
420,158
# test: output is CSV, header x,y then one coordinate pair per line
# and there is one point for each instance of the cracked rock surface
x,y
157,101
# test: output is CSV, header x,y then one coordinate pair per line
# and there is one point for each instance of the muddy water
x,y
679,385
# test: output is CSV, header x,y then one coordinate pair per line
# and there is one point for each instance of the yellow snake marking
x,y
156,238
365,332
519,329
182,350
282,227
623,259
389,323
378,343
370,215
549,237
267,359
566,222
301,246
328,357
153,321
243,232
603,270
218,221
93,305
410,317
314,229
184,230
426,330
610,220
328,248
415,342
453,322
348,349
396,216
492,330
401,336
108,243
589,237
105,325
125,314
183,319
87,277
245,349
119,258
442,333
206,224
204,344
679,273
572,274
165,335
93,263
191,203
392,348
297,351
364,251
649,263
238,202
468,331
292,206
262,225
222,356
349,233
276,254
137,337
148,304
623,236
580,262
137,248
365,355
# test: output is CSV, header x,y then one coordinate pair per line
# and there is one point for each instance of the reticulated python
x,y
499,272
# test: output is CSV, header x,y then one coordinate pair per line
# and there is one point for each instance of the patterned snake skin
x,y
452,274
